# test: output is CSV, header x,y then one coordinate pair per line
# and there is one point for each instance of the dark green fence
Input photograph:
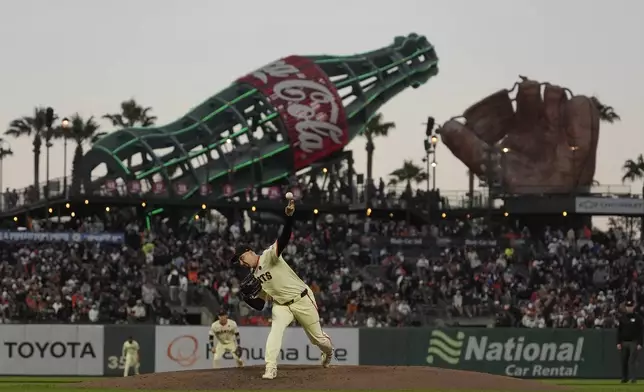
x,y
529,353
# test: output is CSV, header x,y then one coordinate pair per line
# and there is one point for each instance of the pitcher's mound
x,y
315,377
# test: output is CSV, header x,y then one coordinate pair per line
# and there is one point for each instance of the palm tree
x,y
375,128
633,169
4,153
35,127
628,225
408,173
606,113
132,115
82,132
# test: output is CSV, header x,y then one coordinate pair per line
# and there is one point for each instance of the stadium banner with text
x,y
448,242
187,347
517,352
609,206
60,350
116,335
30,236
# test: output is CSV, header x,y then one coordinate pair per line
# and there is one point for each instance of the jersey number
x,y
115,362
265,277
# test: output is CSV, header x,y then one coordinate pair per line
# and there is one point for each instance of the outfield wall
x,y
93,350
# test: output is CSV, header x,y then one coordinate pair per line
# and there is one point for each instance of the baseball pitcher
x,y
228,339
271,277
131,354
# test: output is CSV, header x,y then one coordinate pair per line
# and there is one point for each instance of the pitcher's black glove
x,y
250,286
238,351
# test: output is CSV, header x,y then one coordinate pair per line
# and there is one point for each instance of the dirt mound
x,y
314,377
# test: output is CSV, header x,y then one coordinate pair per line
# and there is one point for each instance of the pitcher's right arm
x,y
278,247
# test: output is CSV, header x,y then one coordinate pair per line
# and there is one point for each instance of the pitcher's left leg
x,y
282,317
306,313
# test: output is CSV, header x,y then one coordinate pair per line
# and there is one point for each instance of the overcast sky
x,y
87,56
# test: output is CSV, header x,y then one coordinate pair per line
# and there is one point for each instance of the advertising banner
x,y
29,236
72,350
308,103
115,336
609,206
517,352
447,242
186,347
407,241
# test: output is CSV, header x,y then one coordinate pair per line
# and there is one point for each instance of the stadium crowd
x,y
363,272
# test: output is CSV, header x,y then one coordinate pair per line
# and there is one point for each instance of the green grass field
x,y
58,384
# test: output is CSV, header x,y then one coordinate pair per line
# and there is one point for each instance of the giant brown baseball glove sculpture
x,y
547,145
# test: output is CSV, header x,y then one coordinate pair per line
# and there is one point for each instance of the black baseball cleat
x,y
623,381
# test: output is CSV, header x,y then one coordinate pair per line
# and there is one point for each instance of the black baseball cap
x,y
630,303
239,251
222,312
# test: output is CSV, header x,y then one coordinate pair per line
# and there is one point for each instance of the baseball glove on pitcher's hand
x,y
250,286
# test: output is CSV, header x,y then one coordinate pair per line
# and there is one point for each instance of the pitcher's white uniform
x,y
226,340
131,354
292,299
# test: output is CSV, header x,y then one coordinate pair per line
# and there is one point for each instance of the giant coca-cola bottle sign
x,y
309,106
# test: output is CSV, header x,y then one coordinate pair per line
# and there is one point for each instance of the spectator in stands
x,y
459,269
174,283
93,314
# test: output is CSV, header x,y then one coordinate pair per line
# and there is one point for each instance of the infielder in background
x,y
131,354
228,339
272,278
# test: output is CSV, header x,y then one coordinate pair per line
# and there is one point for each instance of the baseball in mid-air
x,y
289,195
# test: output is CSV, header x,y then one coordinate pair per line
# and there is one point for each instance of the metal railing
x,y
389,197
594,190
15,198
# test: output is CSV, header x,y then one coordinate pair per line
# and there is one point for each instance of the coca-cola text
x,y
309,105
